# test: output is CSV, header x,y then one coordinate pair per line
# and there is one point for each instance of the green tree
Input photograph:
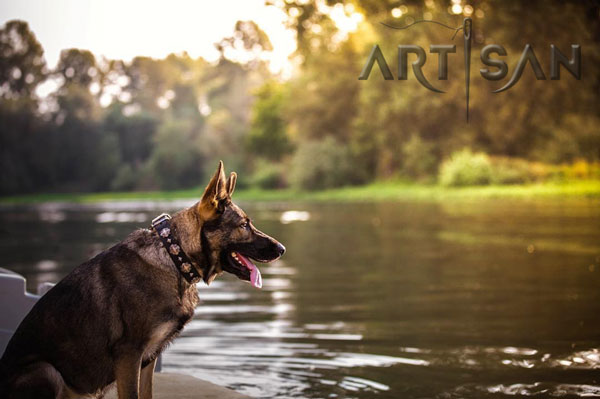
x,y
321,164
77,67
268,136
23,137
135,134
177,159
22,64
546,121
247,45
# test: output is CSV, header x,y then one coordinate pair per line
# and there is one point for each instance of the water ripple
x,y
536,389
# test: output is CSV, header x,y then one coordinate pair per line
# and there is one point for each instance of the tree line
x,y
92,124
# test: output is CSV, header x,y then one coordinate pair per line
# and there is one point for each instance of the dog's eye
x,y
244,225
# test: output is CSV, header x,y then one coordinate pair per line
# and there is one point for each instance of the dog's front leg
x,y
127,370
146,378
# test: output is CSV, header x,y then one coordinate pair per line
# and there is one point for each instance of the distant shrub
x,y
418,158
267,175
579,169
539,171
465,168
321,164
516,171
507,170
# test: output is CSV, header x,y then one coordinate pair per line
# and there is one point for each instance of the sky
x,y
123,29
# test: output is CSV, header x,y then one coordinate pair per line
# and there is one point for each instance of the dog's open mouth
x,y
243,268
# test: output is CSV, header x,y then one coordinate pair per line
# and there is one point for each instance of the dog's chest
x,y
159,337
164,332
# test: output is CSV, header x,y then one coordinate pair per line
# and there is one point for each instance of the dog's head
x,y
228,238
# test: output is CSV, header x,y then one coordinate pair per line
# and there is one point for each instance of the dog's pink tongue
x,y
255,277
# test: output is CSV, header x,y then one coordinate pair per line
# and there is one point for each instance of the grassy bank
x,y
383,191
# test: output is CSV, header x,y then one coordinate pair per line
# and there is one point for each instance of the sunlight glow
x,y
456,8
123,30
345,22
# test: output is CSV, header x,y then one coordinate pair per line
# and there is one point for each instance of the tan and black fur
x,y
109,319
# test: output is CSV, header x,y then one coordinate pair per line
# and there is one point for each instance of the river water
x,y
464,299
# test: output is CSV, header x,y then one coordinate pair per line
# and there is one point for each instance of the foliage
x,y
465,168
125,179
419,160
507,170
22,65
77,67
134,133
247,37
536,120
268,175
176,161
580,169
268,137
121,125
325,97
162,123
321,164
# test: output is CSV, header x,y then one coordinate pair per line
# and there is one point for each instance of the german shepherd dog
x,y
109,319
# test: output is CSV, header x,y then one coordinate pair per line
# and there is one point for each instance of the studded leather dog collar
x,y
162,226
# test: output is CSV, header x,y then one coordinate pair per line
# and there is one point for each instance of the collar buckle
x,y
159,219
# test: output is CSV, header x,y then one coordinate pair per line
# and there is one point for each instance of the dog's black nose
x,y
280,248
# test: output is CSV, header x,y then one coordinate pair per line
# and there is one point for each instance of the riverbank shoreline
x,y
379,191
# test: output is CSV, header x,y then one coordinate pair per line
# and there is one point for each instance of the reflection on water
x,y
121,217
406,300
294,216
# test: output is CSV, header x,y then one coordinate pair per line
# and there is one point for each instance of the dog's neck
x,y
185,227
187,224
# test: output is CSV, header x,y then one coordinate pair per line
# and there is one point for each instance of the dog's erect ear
x,y
215,191
231,183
